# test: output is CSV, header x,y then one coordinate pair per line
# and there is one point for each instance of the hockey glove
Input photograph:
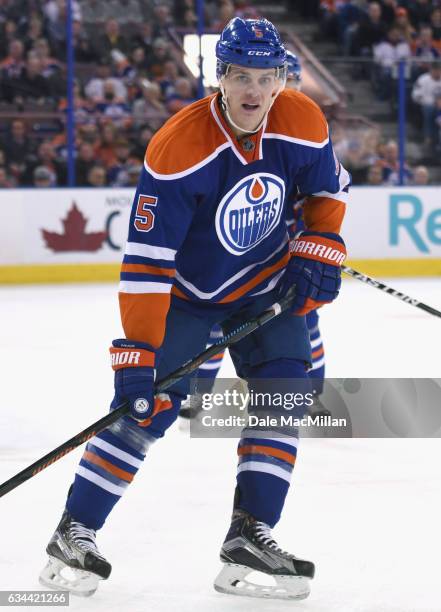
x,y
134,366
314,269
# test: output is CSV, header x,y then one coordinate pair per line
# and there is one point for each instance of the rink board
x,y
78,235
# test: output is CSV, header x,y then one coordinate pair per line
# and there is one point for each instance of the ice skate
x,y
190,409
250,548
75,564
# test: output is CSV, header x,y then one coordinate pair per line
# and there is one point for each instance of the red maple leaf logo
x,y
74,237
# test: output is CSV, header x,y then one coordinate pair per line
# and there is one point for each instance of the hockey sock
x,y
317,372
267,455
109,464
210,368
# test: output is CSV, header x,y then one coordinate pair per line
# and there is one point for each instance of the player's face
x,y
249,92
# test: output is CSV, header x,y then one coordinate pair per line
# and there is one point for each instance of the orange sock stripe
x,y
116,471
267,450
318,353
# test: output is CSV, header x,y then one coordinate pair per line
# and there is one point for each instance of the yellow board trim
x,y
93,273
61,273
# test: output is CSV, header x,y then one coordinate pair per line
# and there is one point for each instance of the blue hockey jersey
x,y
208,217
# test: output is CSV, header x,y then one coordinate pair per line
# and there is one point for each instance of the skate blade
x,y
234,580
59,576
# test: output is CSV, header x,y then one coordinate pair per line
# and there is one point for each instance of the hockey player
x,y
208,244
208,371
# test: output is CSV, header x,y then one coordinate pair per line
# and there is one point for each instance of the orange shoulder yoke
x,y
296,116
185,140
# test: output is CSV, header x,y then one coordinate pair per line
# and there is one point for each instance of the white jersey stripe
x,y
198,166
268,468
144,287
116,452
262,435
318,364
316,342
152,252
305,143
100,481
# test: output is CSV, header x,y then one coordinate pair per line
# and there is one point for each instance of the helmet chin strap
x,y
226,109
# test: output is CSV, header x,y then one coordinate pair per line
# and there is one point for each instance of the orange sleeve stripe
x,y
256,280
323,214
267,450
318,353
143,269
109,467
143,316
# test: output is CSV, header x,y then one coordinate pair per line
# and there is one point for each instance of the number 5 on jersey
x,y
144,217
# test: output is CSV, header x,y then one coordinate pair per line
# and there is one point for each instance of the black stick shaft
x,y
165,383
386,289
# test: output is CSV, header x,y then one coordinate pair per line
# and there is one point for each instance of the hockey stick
x,y
188,367
401,296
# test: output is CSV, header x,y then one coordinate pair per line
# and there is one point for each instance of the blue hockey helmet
x,y
253,43
294,70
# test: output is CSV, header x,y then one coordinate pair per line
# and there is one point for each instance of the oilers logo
x,y
249,212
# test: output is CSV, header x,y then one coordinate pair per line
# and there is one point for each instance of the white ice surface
x,y
366,511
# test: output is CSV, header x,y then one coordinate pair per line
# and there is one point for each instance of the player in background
x,y
208,244
208,371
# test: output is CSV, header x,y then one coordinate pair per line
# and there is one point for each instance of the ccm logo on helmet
x,y
260,53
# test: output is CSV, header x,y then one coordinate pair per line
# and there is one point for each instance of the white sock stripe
x,y
318,364
100,481
317,342
116,452
262,435
268,468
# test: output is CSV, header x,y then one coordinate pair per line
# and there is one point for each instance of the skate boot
x,y
75,564
190,409
248,548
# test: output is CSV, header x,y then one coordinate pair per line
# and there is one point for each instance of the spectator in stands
x,y
150,107
117,174
94,88
388,11
43,178
420,11
111,108
138,62
111,39
46,158
425,92
96,176
83,163
387,54
34,32
13,64
84,109
6,181
162,21
94,11
182,96
348,17
50,65
8,33
160,54
84,49
375,175
226,11
403,25
168,79
390,165
435,24
426,52
126,11
144,134
30,84
371,30
144,38
133,172
105,153
421,176
53,8
18,149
